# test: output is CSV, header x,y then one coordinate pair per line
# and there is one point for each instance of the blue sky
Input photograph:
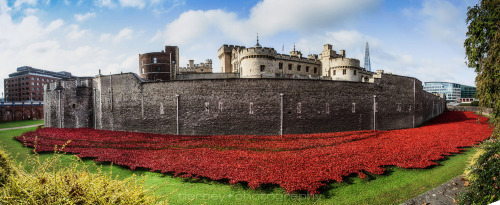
x,y
418,38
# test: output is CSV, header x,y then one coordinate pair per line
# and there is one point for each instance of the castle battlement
x,y
259,62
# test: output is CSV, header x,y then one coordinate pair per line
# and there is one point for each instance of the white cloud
x,y
4,8
19,3
271,16
158,6
105,3
84,17
76,33
30,11
440,20
267,18
133,3
124,35
28,30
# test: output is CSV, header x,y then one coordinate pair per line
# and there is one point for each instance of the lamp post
x,y
177,113
374,111
281,118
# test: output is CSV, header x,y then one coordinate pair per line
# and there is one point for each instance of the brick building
x,y
27,83
159,65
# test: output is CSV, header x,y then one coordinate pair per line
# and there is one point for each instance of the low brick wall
x,y
486,111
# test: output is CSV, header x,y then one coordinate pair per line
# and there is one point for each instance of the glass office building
x,y
467,91
453,91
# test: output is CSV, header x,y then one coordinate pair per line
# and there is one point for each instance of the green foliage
x,y
473,103
484,176
6,167
54,182
482,48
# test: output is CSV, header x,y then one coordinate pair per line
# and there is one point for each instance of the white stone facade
x,y
262,62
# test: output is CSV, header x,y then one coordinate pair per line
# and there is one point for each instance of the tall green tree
x,y
482,48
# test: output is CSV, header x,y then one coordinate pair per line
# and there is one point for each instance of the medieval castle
x,y
258,91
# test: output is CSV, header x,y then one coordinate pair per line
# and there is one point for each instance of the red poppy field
x,y
294,162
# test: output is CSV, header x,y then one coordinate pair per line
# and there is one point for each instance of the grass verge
x,y
395,186
20,123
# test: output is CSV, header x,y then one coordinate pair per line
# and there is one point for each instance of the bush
x,y
484,175
6,168
473,103
49,182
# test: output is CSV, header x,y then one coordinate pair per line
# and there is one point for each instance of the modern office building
x,y
467,93
454,92
26,84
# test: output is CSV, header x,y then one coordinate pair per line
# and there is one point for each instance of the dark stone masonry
x,y
238,105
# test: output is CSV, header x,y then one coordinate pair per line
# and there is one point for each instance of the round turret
x,y
345,69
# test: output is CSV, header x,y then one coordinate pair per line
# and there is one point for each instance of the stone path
x,y
443,194
14,128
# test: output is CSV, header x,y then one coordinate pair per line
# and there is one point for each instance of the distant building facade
x,y
26,84
467,93
197,68
454,92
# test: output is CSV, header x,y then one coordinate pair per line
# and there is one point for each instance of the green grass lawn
x,y
20,123
395,186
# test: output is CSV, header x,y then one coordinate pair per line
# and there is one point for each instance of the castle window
x,y
354,72
298,67
344,71
334,72
158,69
262,68
289,66
280,66
315,70
154,60
142,70
307,68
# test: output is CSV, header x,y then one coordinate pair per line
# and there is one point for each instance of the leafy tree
x,y
482,48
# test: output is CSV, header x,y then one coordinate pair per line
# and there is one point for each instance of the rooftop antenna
x,y
367,57
258,45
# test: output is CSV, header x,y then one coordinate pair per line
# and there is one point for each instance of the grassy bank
x,y
20,123
396,186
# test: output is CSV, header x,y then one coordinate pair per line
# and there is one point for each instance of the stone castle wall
x,y
239,106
